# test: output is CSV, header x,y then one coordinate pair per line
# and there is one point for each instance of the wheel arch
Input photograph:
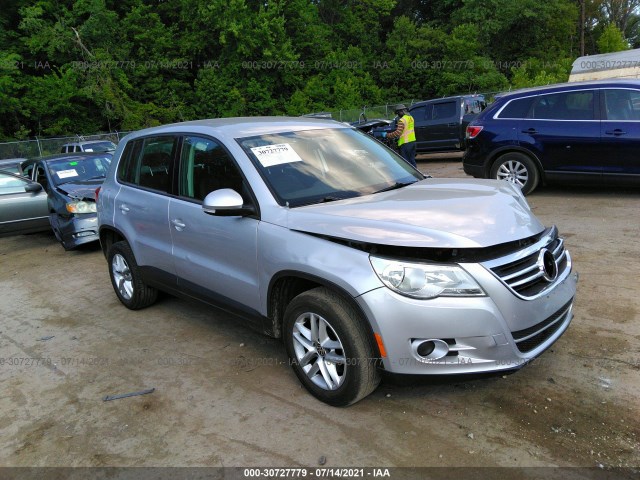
x,y
108,236
288,284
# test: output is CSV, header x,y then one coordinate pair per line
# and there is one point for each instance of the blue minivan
x,y
578,133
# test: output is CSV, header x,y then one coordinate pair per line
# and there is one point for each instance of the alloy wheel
x,y
514,172
122,276
319,351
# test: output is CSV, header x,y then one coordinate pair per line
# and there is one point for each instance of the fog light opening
x,y
430,349
426,348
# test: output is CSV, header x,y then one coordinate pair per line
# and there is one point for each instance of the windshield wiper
x,y
395,186
329,198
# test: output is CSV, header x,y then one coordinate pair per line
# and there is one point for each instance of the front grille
x,y
530,338
521,272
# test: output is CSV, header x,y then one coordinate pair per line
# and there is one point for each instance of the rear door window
x,y
148,162
576,105
444,110
422,113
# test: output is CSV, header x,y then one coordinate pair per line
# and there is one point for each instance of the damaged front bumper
x,y
75,230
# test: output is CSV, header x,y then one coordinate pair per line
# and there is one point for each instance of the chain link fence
x,y
41,147
48,146
366,112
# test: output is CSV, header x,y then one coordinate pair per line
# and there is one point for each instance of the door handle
x,y
452,124
617,132
178,224
124,208
530,131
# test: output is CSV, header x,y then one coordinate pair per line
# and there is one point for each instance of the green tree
x,y
612,40
514,31
535,72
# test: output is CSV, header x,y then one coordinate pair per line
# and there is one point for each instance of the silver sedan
x,y
23,205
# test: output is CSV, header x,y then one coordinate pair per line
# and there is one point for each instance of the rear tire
x,y
516,168
126,278
330,347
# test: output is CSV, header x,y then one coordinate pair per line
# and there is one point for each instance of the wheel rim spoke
x,y
333,373
326,376
308,357
305,342
335,358
315,320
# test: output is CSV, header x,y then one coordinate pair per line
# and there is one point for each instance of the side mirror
x,y
32,187
226,202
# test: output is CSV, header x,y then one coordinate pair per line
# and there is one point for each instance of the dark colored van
x,y
440,123
579,133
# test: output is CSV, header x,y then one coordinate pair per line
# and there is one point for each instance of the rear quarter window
x,y
518,108
128,166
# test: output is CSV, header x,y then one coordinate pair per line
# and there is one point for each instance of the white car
x,y
90,146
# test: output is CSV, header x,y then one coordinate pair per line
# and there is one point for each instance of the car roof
x,y
12,174
11,161
87,142
70,156
239,127
559,87
455,97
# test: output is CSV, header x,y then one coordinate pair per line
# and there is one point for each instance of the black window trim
x,y
233,160
597,113
175,165
172,163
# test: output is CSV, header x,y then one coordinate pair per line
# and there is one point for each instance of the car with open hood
x,y
313,231
70,181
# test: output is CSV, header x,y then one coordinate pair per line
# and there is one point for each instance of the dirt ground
x,y
224,395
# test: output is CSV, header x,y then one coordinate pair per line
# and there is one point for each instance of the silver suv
x,y
319,234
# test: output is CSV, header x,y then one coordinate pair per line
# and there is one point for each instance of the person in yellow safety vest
x,y
406,134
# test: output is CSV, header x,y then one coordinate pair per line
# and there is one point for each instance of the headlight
x,y
424,280
81,207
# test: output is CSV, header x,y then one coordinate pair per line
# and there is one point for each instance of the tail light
x,y
473,131
97,193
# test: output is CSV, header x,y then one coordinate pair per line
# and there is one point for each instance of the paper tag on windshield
x,y
271,155
67,173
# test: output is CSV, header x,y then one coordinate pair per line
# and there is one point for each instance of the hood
x,y
80,190
432,213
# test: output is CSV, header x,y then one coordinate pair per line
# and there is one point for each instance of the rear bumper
x,y
476,171
473,163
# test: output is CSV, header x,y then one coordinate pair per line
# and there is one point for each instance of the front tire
x,y
518,169
126,278
330,347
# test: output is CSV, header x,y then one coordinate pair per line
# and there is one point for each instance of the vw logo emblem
x,y
547,265
320,349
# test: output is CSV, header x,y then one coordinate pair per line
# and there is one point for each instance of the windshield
x,y
78,169
314,166
99,147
